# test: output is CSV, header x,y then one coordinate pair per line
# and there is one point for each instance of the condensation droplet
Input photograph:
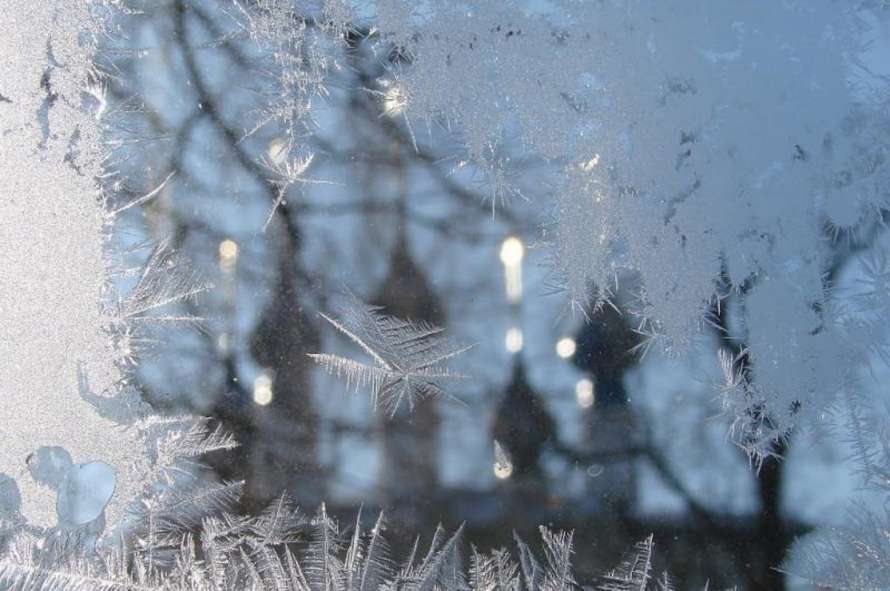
x,y
595,470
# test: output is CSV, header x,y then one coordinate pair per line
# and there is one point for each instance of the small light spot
x,y
584,393
503,466
512,251
591,164
503,471
513,340
395,101
565,347
262,389
228,255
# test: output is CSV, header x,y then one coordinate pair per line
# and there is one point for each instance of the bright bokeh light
x,y
584,393
565,347
513,340
512,251
502,467
228,255
502,471
262,389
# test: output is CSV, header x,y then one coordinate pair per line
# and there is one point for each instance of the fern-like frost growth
x,y
408,358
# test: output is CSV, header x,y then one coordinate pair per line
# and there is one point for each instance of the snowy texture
x,y
731,170
55,327
67,336
706,152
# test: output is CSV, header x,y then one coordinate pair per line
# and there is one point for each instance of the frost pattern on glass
x,y
68,339
731,163
710,175
55,329
635,571
232,552
408,357
300,41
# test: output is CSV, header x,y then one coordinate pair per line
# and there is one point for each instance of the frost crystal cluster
x,y
233,553
739,150
408,357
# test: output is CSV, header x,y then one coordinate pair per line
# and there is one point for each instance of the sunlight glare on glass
x,y
513,340
262,389
394,101
565,347
584,393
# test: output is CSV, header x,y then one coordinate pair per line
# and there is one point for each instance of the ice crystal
x,y
300,42
495,572
164,281
230,552
635,572
287,170
408,357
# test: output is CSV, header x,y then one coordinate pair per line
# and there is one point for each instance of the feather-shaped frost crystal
x,y
635,571
408,358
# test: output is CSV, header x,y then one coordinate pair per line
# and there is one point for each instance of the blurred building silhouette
x,y
523,428
605,351
284,450
410,439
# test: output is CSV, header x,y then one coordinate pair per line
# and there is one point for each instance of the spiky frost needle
x,y
408,357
